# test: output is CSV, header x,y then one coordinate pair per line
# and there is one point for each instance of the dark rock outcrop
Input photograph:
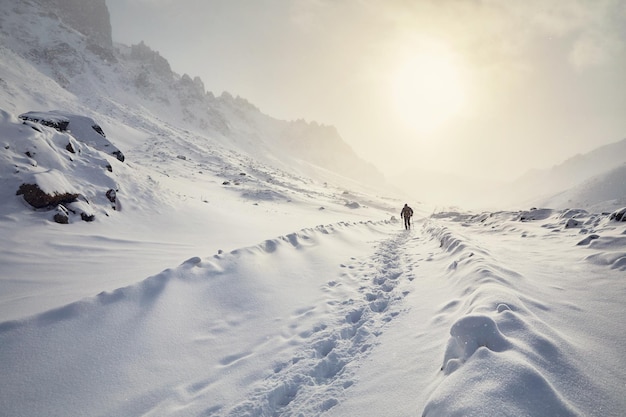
x,y
37,198
619,215
62,215
91,18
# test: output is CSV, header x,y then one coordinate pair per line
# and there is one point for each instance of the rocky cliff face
x,y
89,17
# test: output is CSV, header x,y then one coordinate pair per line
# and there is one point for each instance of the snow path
x,y
315,378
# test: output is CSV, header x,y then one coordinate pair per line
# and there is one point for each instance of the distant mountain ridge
x,y
67,44
572,171
604,192
595,181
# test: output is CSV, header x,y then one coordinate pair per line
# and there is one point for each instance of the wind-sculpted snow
x,y
244,344
504,337
610,249
465,315
478,348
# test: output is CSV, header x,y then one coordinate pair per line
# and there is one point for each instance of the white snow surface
x,y
220,284
277,295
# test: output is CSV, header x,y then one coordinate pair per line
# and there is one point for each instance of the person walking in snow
x,y
406,214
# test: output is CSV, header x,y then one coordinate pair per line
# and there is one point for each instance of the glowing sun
x,y
428,90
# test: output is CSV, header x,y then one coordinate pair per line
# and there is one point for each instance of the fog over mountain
x,y
599,173
479,89
602,192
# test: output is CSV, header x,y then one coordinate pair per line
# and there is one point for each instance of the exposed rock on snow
x,y
535,214
619,215
38,166
111,195
90,18
81,127
37,198
571,223
588,240
62,215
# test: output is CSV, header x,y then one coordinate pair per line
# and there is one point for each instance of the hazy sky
x,y
484,87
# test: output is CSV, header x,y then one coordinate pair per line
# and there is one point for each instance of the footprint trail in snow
x,y
365,296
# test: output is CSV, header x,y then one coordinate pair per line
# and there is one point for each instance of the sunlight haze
x,y
486,88
428,89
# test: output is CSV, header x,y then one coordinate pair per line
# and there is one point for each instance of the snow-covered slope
x,y
218,198
577,169
46,53
604,192
190,158
596,174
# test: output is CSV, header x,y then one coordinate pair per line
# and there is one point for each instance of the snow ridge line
x,y
315,378
151,287
496,337
109,321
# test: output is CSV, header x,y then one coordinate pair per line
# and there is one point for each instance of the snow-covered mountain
x,y
603,192
63,51
593,181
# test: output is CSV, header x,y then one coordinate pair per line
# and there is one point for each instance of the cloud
x,y
591,50
595,30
